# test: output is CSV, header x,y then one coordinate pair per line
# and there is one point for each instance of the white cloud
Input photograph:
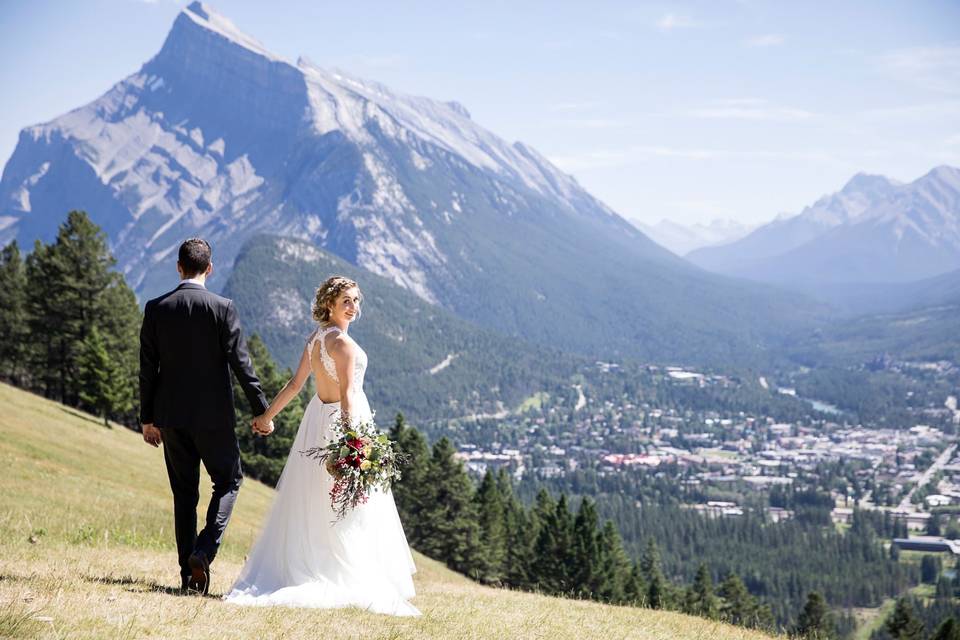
x,y
768,40
953,141
671,21
936,67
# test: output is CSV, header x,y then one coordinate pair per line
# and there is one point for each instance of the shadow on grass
x,y
84,416
142,585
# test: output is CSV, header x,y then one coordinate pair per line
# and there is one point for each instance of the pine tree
x,y
815,622
99,378
903,623
264,458
13,315
615,566
635,589
699,599
658,596
948,630
520,536
411,491
120,328
451,524
554,565
737,605
587,573
492,527
929,569
67,280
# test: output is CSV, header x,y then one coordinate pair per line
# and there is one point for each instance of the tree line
x,y
70,323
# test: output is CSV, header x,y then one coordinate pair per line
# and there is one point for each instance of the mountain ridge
x,y
214,138
873,230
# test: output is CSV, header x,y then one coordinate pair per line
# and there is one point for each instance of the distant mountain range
x,y
216,136
874,230
682,239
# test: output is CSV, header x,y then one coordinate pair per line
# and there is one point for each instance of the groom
x,y
189,342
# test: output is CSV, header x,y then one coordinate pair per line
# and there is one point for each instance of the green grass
x,y
534,402
87,551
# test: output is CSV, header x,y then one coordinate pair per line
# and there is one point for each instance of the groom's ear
x,y
209,269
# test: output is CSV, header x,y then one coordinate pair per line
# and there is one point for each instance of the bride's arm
x,y
343,356
291,389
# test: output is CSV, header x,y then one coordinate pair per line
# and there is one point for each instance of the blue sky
x,y
688,111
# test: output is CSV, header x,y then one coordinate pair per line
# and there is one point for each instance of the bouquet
x,y
359,458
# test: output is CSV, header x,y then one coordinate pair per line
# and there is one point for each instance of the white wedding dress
x,y
303,558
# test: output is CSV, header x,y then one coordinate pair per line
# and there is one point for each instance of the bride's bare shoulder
x,y
339,344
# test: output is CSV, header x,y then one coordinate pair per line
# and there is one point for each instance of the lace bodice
x,y
359,363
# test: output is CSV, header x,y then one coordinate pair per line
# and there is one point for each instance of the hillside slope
x,y
86,551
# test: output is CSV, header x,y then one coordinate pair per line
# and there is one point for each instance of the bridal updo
x,y
327,294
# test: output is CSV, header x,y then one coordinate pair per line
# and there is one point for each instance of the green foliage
x,y
451,527
948,630
73,331
815,622
13,314
930,567
699,599
100,380
410,492
903,623
263,458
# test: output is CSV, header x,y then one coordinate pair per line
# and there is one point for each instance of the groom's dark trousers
x,y
189,342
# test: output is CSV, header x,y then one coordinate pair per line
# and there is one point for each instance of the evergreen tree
x,y
520,536
815,622
13,315
903,623
101,387
263,458
700,599
737,604
948,630
554,565
929,568
120,328
451,524
411,491
587,575
616,570
635,589
658,596
67,280
492,527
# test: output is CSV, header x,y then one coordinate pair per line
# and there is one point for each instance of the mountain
x,y
682,239
873,231
218,137
428,363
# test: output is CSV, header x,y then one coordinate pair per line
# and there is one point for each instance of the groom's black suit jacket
x,y
189,342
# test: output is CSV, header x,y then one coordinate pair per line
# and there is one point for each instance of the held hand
x,y
261,426
152,435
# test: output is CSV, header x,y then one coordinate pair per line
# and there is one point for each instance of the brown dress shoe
x,y
199,572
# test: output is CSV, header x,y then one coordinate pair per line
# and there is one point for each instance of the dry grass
x,y
86,551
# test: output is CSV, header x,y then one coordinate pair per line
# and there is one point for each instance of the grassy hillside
x,y
86,551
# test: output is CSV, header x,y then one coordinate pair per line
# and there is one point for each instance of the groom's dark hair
x,y
194,256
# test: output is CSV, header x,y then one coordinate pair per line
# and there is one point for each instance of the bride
x,y
303,557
